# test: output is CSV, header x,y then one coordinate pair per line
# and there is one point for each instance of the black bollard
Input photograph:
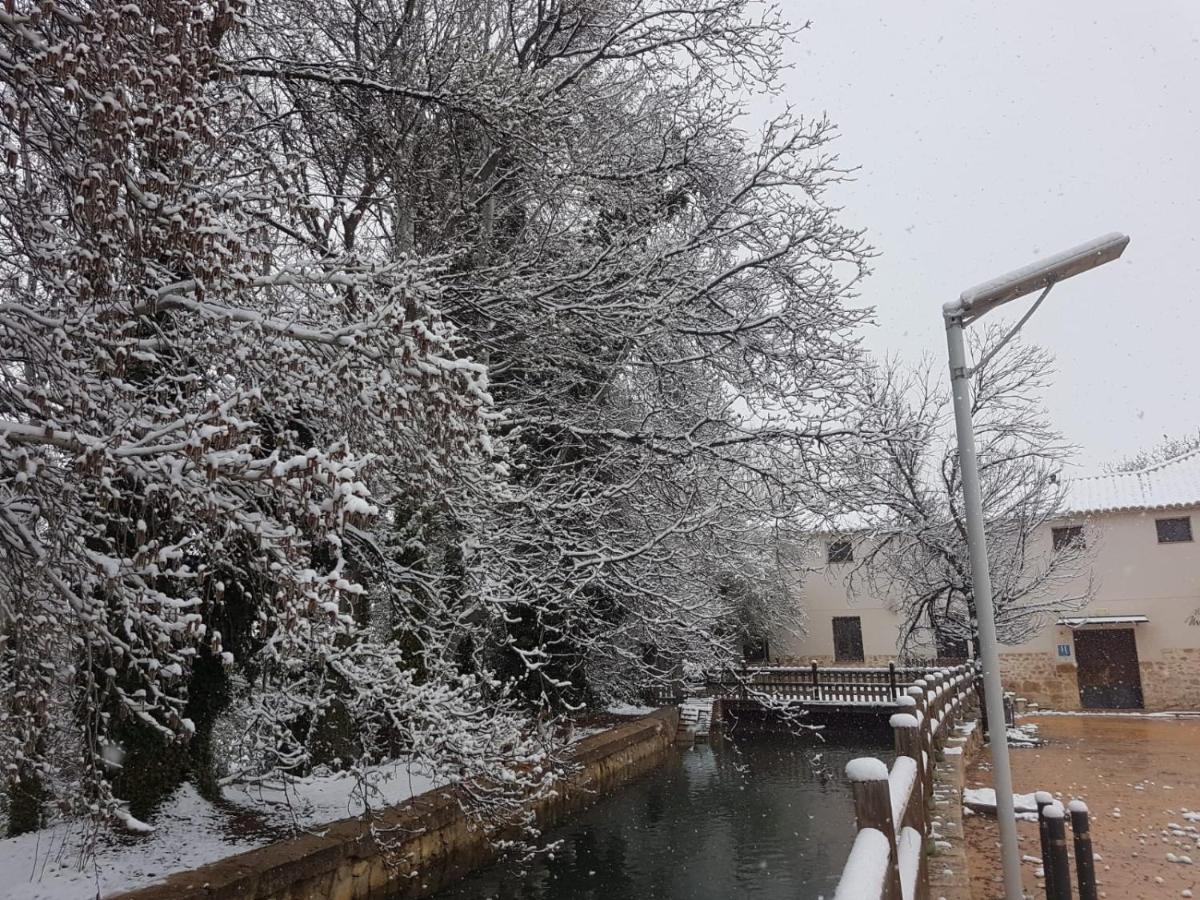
x,y
1060,861
1044,799
1085,864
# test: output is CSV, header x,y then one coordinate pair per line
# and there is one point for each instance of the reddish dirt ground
x,y
1137,775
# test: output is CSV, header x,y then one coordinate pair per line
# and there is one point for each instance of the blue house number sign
x,y
1064,649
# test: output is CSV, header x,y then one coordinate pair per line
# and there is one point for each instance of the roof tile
x,y
1169,485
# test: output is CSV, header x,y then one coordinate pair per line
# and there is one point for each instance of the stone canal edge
x,y
433,842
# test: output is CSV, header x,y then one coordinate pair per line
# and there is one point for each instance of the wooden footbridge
x,y
846,688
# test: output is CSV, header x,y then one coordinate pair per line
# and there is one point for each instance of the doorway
x,y
1109,677
847,639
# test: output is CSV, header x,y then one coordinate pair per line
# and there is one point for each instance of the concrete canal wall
x,y
436,841
949,871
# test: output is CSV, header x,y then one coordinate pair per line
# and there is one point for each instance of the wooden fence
x,y
833,685
887,861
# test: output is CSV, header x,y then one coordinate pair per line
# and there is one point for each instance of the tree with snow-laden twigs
x,y
384,379
1164,451
913,545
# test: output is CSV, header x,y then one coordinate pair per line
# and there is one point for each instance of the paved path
x,y
1139,776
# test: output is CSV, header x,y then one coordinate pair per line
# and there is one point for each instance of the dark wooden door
x,y
1108,669
847,639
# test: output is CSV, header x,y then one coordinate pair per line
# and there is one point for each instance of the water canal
x,y
757,814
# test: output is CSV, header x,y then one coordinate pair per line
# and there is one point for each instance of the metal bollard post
x,y
1060,861
1044,799
1085,863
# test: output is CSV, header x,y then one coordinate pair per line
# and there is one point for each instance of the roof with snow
x,y
1174,484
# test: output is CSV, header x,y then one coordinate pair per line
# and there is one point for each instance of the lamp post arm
x,y
1013,333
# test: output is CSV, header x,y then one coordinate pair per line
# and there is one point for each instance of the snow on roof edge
x,y
1171,484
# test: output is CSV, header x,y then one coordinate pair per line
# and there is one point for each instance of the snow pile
x,y
866,768
984,800
1024,736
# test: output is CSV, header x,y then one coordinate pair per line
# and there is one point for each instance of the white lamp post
x,y
971,305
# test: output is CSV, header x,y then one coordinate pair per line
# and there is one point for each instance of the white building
x,y
1137,643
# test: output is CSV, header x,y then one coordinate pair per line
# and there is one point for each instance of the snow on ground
x,y
626,709
1024,736
45,865
189,831
1093,713
329,796
578,734
984,800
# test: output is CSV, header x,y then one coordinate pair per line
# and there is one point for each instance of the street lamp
x,y
971,305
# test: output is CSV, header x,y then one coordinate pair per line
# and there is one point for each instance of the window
x,y
755,650
1174,531
840,551
1068,537
847,639
950,647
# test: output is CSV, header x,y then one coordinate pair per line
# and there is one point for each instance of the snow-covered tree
x,y
659,302
1166,449
194,408
380,378
912,547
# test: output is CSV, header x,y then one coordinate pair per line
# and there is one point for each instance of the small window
x,y
847,639
1174,531
755,650
841,551
1068,537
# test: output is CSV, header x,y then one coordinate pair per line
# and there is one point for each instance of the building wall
x,y
1132,574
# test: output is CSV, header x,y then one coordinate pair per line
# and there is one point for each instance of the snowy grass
x,y
189,831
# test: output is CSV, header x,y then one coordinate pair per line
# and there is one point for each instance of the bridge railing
x,y
887,861
819,684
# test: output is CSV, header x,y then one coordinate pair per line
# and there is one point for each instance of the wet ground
x,y
1139,776
763,815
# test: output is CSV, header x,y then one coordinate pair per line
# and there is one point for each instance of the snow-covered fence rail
x,y
823,685
887,861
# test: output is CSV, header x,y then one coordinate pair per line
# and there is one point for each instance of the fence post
x,y
925,760
873,809
981,702
936,701
892,678
1085,864
1044,799
1060,862
908,743
816,682
916,815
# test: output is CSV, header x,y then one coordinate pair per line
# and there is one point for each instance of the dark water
x,y
757,815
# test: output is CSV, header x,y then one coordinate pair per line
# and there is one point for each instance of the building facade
x,y
1136,644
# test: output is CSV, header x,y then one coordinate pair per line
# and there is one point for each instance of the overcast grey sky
x,y
989,134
